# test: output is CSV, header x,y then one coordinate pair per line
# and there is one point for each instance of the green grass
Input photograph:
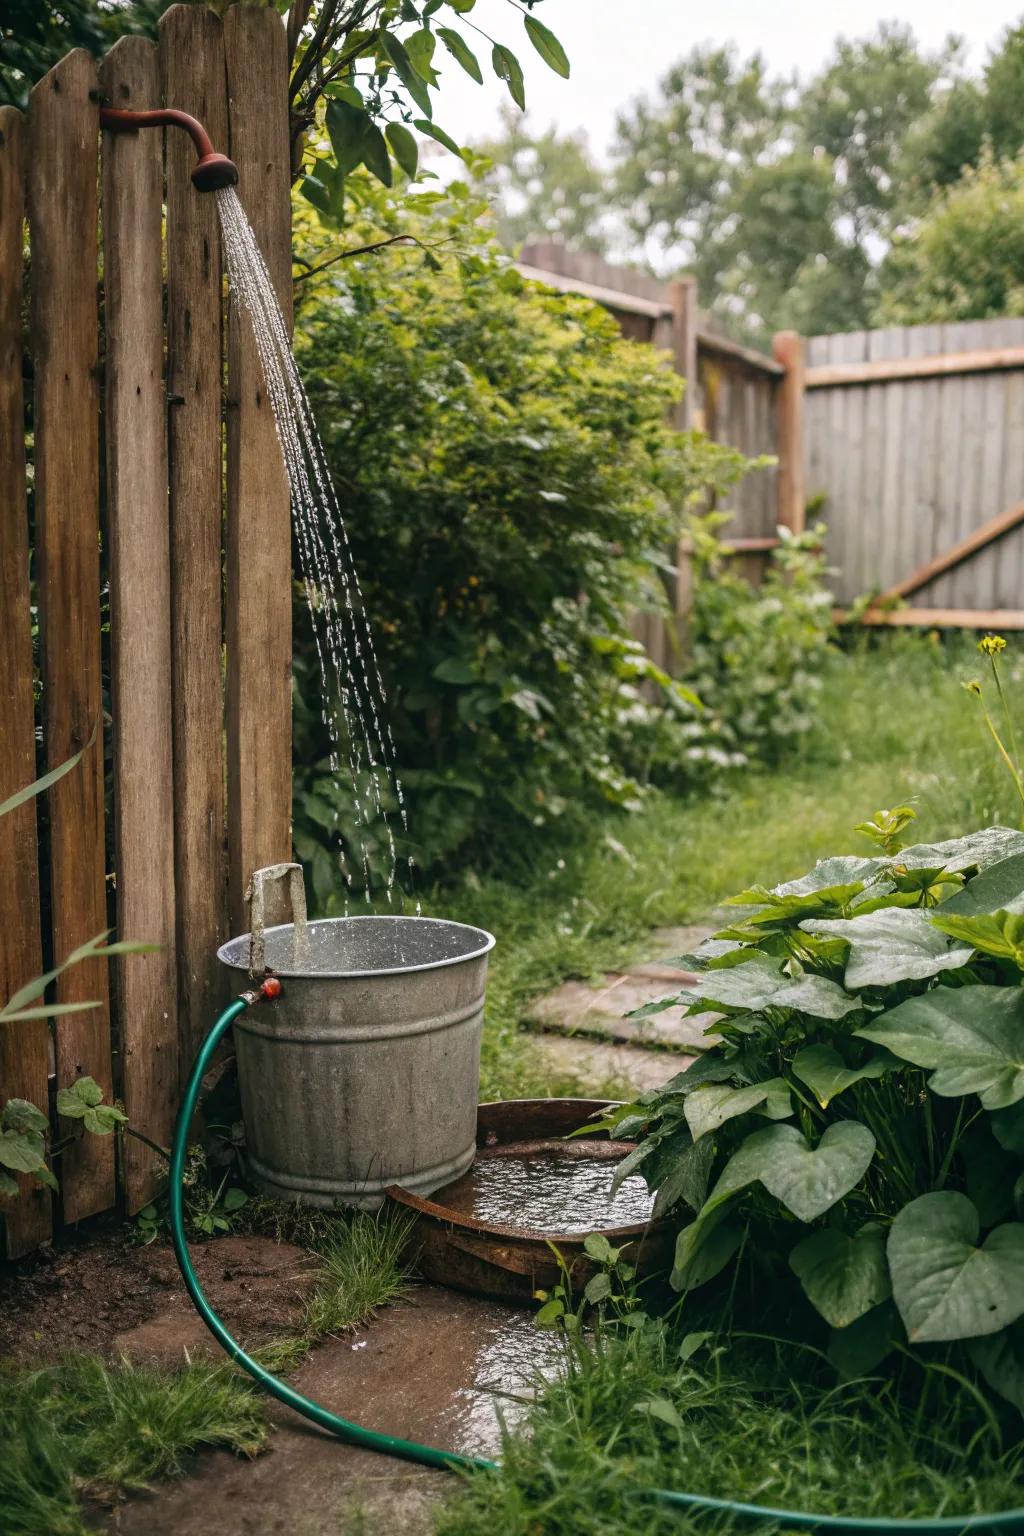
x,y
896,725
87,1427
751,1421
364,1263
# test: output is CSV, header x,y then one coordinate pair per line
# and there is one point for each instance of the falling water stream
x,y
352,696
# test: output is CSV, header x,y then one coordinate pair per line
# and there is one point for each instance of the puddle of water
x,y
549,1191
511,1362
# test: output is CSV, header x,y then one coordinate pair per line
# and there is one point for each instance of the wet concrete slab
x,y
600,1009
442,1368
601,1066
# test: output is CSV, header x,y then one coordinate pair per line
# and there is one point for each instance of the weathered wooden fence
x,y
741,397
120,382
915,442
910,439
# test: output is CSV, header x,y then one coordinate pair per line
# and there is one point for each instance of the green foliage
x,y
509,484
757,653
892,1173
364,1265
708,170
84,1427
963,260
697,1410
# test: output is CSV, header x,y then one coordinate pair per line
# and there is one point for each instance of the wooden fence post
x,y
788,349
140,619
63,125
24,1048
685,320
194,79
259,586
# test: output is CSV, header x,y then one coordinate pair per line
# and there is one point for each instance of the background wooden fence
x,y
915,441
741,397
910,439
130,521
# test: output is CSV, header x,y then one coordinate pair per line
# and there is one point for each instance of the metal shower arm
x,y
211,171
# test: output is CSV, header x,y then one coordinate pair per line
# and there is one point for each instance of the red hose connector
x,y
270,988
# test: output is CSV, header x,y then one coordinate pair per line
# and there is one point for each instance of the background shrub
x,y
510,485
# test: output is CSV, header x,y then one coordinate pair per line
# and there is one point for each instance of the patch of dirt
x,y
109,1298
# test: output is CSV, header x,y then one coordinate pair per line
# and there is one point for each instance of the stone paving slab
x,y
436,1369
599,1009
601,1066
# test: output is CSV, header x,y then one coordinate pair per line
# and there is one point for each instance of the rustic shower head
x,y
211,171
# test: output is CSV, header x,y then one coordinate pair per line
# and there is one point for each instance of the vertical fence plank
x,y
259,526
24,1048
140,611
194,79
788,349
63,151
685,321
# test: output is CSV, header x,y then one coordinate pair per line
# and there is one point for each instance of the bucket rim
x,y
241,940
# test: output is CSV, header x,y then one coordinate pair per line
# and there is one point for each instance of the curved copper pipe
x,y
212,170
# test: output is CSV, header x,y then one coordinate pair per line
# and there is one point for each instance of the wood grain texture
x,y
24,1048
258,628
979,539
882,370
140,613
193,77
62,191
940,618
788,350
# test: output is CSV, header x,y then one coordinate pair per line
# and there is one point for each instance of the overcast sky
x,y
619,48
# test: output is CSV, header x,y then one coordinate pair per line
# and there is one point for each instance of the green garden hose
x,y
426,1455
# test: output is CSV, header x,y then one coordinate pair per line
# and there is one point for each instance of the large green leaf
x,y
1008,1128
829,873
781,911
1000,888
894,944
24,1152
397,54
945,1286
22,1115
857,1349
826,1074
38,786
978,850
1000,1359
507,67
547,45
810,1180
842,1276
461,52
703,1249
1000,933
762,983
711,1105
972,1036
687,1178
404,148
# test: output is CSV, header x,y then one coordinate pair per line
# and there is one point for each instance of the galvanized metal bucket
x,y
366,1071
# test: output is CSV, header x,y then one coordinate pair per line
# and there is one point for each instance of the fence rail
x,y
910,439
150,530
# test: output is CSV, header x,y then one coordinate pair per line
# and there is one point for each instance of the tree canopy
x,y
782,197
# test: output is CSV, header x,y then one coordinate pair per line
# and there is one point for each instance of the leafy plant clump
x,y
757,653
651,1407
852,1144
512,492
